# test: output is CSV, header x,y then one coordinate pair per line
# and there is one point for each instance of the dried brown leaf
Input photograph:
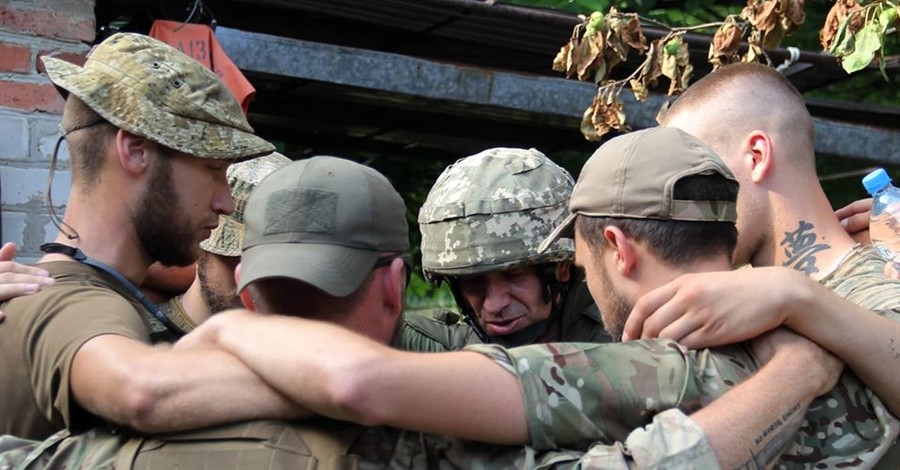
x,y
724,47
839,11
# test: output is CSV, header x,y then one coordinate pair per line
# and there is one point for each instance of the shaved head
x,y
726,105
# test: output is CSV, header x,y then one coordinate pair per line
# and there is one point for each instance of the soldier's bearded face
x,y
614,307
160,221
613,304
506,301
180,206
217,284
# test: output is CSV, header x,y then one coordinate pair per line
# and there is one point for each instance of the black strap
x,y
82,258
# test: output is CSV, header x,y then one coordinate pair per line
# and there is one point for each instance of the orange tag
x,y
199,42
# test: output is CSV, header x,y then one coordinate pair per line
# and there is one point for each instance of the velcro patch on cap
x,y
305,210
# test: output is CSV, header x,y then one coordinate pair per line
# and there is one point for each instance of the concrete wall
x,y
30,109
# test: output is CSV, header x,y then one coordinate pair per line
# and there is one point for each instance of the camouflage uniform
x,y
490,212
576,394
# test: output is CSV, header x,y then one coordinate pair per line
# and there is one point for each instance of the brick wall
x,y
29,112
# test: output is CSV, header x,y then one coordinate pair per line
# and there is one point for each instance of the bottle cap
x,y
876,181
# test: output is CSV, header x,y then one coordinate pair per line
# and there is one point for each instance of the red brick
x,y
30,96
47,23
78,59
15,57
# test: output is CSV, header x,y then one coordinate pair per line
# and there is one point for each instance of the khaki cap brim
x,y
337,270
564,230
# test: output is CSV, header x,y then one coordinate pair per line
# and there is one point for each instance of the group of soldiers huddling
x,y
600,324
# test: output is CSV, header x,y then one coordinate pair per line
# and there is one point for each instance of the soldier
x,y
214,288
555,395
768,140
481,225
151,133
338,231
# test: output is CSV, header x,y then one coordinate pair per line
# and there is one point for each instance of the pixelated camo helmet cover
x,y
490,211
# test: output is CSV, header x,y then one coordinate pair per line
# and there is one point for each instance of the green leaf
x,y
887,17
866,43
843,41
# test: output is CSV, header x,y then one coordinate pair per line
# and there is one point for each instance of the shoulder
x,y
435,330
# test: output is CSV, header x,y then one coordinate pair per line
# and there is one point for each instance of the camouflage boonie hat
x,y
228,238
634,175
491,210
152,90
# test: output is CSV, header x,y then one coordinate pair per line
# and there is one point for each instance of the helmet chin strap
x,y
552,291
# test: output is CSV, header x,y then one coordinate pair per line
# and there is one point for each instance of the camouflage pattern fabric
x,y
151,89
228,238
96,449
490,211
850,426
578,393
671,441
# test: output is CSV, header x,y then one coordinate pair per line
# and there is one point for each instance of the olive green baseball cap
x,y
323,221
151,89
228,238
634,176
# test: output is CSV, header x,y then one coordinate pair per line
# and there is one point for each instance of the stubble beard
x,y
160,223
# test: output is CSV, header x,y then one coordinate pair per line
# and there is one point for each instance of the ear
x,y
394,286
132,152
621,248
563,271
246,298
759,152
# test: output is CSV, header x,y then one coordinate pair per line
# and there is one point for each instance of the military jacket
x,y
579,393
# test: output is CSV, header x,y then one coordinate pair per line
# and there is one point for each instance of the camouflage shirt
x,y
579,393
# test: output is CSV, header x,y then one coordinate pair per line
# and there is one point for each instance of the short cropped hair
x,y
675,242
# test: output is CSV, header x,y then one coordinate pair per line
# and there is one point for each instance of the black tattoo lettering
x,y
800,248
774,439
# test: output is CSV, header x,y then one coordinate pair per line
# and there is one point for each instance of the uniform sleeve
x,y
434,331
577,394
67,323
671,441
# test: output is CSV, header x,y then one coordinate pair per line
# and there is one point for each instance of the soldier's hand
x,y
712,309
18,279
815,366
854,218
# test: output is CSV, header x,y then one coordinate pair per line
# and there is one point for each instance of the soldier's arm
x,y
768,411
162,390
708,309
346,376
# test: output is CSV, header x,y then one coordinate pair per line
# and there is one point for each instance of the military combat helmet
x,y
490,211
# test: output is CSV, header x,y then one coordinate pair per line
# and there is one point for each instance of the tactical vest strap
x,y
126,456
264,444
330,441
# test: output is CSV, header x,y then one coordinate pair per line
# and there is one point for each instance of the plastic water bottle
x,y
884,225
